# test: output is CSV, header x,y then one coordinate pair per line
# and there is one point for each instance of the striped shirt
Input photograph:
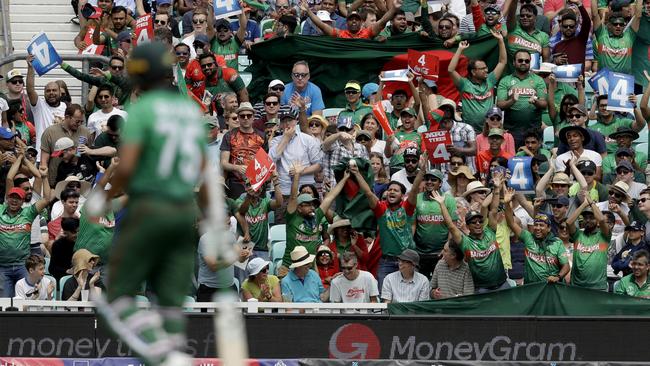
x,y
452,282
397,289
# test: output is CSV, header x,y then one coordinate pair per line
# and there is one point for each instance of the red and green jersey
x,y
614,53
395,233
519,39
484,259
522,115
477,99
229,50
628,286
303,231
542,258
430,230
257,218
15,234
168,128
590,260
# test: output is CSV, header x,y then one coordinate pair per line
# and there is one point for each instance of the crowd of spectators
x,y
442,230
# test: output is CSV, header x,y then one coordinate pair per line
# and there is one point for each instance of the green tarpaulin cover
x,y
538,299
334,61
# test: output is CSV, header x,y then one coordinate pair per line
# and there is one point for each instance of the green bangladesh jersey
x,y
641,51
609,162
15,235
614,53
477,99
628,286
229,51
169,130
394,227
258,221
430,231
589,268
484,259
96,234
303,231
519,39
357,114
542,258
610,128
522,115
397,160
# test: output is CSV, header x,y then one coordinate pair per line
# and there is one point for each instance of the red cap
x,y
18,191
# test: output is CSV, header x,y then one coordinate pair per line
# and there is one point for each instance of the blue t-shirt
x,y
307,290
312,92
252,29
309,29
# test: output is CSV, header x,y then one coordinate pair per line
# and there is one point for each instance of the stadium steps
x,y
28,18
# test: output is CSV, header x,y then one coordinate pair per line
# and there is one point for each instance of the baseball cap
x,y
344,122
306,198
430,83
586,166
6,133
201,37
472,214
494,7
580,108
17,191
354,14
409,111
369,89
61,145
324,15
352,85
435,173
272,122
625,150
542,217
495,132
15,73
221,23
494,111
560,200
625,164
288,114
275,82
410,255
411,151
635,226
124,36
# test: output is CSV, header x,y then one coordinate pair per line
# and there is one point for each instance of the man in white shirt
x,y
406,284
104,100
576,138
617,203
35,286
407,175
45,109
354,286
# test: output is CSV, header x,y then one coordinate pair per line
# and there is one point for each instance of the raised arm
x,y
243,22
645,109
510,10
503,54
578,175
11,174
509,214
295,173
639,121
453,64
571,220
278,199
456,234
331,196
499,181
330,31
31,89
381,23
602,222
415,188
638,13
595,15
540,188
365,188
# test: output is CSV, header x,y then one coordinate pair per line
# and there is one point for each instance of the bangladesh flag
x,y
334,61
352,203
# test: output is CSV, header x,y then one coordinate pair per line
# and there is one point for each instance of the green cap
x,y
410,111
435,173
306,198
272,121
496,132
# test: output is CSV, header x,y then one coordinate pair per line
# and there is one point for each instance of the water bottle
x,y
82,141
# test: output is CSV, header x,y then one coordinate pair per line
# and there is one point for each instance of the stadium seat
x,y
277,252
235,281
243,61
277,233
642,148
549,137
331,112
62,282
47,265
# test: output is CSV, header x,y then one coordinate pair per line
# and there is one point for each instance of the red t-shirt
x,y
364,33
484,157
54,228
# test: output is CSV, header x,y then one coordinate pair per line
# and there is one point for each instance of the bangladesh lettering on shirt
x,y
481,254
429,219
102,221
587,249
614,52
541,258
27,227
479,98
519,41
523,92
252,220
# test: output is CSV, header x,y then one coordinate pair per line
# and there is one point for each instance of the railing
x,y
84,58
251,307
6,33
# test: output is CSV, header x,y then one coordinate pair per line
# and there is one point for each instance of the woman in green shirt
x,y
260,285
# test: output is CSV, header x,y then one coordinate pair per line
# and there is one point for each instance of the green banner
x,y
538,299
334,61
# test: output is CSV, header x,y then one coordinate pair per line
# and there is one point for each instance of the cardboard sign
x,y
143,29
395,75
619,88
91,49
226,8
567,73
259,170
379,113
535,61
599,82
436,143
423,64
45,56
521,178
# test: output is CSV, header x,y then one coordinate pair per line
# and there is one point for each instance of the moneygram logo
x,y
354,342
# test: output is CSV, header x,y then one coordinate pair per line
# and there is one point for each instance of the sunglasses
x,y
17,81
117,67
278,88
161,22
523,60
324,254
206,66
568,26
282,6
351,92
602,106
588,174
623,171
315,124
491,12
618,24
363,139
576,116
525,15
246,116
411,161
300,75
182,53
558,206
74,185
495,118
475,222
199,21
617,195
265,270
270,104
